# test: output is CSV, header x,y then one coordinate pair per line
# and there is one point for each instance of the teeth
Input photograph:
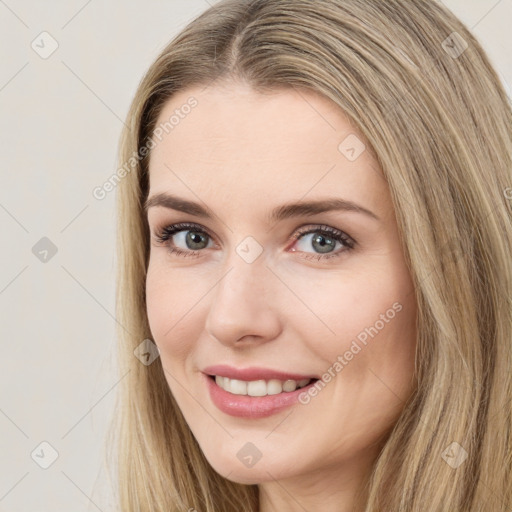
x,y
274,387
254,388
259,387
238,387
290,385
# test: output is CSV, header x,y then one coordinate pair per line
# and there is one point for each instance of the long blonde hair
x,y
420,88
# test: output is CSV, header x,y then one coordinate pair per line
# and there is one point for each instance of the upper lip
x,y
253,373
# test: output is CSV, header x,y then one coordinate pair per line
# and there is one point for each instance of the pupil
x,y
195,238
324,243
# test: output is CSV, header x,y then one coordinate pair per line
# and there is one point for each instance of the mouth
x,y
254,399
259,388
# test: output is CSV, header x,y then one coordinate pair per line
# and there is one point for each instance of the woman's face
x,y
287,267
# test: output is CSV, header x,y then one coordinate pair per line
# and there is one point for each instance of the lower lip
x,y
245,406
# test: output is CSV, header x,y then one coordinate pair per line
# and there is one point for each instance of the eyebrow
x,y
285,211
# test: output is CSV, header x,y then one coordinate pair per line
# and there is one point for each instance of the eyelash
x,y
163,236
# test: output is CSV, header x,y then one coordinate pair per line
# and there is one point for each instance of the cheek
x,y
171,303
369,320
348,305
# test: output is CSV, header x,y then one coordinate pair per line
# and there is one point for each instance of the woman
x,y
314,265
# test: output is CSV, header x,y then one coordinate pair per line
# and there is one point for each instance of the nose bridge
x,y
244,284
247,272
239,304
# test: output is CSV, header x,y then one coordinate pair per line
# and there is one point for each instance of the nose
x,y
240,311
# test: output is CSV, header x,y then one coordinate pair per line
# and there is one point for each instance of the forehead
x,y
260,147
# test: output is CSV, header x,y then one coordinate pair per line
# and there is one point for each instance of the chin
x,y
247,472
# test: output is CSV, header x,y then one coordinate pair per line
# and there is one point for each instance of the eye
x,y
328,242
191,237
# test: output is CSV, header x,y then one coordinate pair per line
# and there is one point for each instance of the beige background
x,y
60,121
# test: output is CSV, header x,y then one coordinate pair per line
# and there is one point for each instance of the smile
x,y
259,395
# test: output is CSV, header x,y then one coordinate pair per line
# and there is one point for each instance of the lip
x,y
253,373
252,407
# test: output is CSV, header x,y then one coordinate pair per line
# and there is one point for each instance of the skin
x,y
241,153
